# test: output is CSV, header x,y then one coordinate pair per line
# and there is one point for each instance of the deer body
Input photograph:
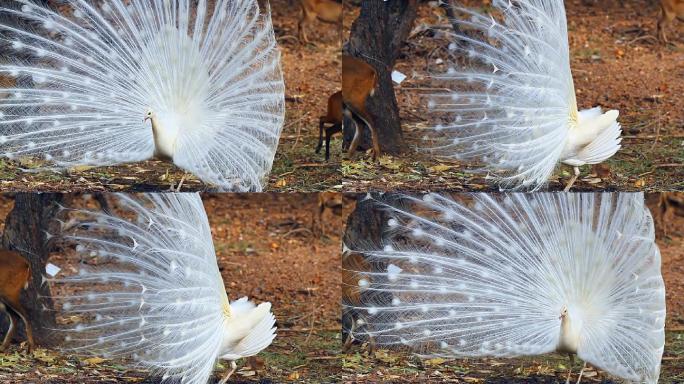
x,y
327,11
669,10
15,273
334,117
358,84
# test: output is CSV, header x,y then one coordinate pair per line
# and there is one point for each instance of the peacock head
x,y
564,313
149,115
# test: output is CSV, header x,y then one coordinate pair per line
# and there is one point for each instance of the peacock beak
x,y
146,118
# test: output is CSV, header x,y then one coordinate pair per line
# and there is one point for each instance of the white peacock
x,y
519,274
157,297
516,113
206,74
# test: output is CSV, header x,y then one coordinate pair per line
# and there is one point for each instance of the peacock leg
x,y
572,179
180,184
572,361
233,367
579,379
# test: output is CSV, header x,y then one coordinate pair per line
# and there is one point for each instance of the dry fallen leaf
x,y
441,168
94,361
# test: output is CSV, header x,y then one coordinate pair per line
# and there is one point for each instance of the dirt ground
x,y
312,72
616,63
269,249
400,367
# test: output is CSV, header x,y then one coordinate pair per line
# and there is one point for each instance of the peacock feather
x,y
518,274
193,82
514,109
155,296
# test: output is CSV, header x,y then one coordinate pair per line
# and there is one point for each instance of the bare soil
x,y
268,248
617,63
312,73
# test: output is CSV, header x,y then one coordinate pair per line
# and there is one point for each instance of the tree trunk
x,y
377,37
26,227
363,231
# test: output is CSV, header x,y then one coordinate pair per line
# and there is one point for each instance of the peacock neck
x,y
164,142
568,340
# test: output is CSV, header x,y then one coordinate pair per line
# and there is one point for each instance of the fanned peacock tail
x,y
85,79
513,110
155,294
489,275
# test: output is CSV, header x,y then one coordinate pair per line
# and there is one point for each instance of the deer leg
x,y
10,331
29,331
327,146
321,124
376,142
328,136
300,27
355,141
374,133
661,29
572,179
233,367
304,22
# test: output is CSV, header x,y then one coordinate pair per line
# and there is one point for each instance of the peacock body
x,y
205,74
518,274
516,111
156,296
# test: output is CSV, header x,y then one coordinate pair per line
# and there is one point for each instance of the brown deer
x,y
334,117
669,10
358,84
327,201
327,11
15,273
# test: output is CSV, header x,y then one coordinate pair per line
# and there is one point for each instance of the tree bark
x,y
363,231
377,37
26,229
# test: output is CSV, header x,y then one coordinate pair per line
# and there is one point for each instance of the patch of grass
x,y
655,167
300,169
587,53
7,171
405,367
